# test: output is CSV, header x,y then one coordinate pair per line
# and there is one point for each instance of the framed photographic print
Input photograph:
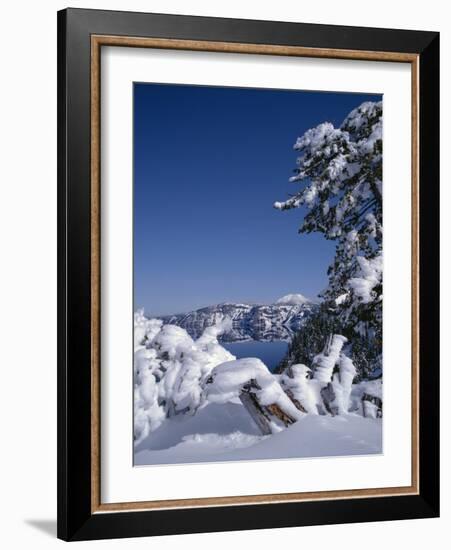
x,y
248,274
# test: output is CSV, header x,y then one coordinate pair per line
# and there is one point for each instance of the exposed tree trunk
x,y
296,403
253,408
328,396
267,417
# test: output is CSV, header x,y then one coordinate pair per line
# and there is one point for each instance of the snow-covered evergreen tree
x,y
340,171
311,338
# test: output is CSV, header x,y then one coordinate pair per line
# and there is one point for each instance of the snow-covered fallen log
x,y
259,391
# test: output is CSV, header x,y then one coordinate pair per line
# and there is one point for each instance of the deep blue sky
x,y
208,165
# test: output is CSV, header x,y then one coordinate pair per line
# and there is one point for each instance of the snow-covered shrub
x,y
327,386
324,363
366,398
309,341
169,370
342,384
297,382
145,329
336,372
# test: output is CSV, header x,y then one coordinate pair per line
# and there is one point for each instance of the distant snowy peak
x,y
294,300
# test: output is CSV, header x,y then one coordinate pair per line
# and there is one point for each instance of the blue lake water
x,y
271,353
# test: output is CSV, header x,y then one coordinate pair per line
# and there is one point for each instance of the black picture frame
x,y
76,520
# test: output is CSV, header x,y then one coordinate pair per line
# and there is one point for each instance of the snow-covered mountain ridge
x,y
249,321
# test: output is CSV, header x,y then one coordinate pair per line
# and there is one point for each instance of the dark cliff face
x,y
249,322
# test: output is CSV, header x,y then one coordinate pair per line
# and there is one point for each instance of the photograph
x,y
257,274
248,272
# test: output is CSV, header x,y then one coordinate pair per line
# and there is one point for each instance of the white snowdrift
x,y
312,436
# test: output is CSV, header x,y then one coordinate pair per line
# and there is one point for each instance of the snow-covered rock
x,y
342,384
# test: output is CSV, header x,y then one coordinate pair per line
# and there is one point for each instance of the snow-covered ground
x,y
227,432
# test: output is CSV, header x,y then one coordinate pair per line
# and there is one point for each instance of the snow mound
x,y
293,300
312,436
